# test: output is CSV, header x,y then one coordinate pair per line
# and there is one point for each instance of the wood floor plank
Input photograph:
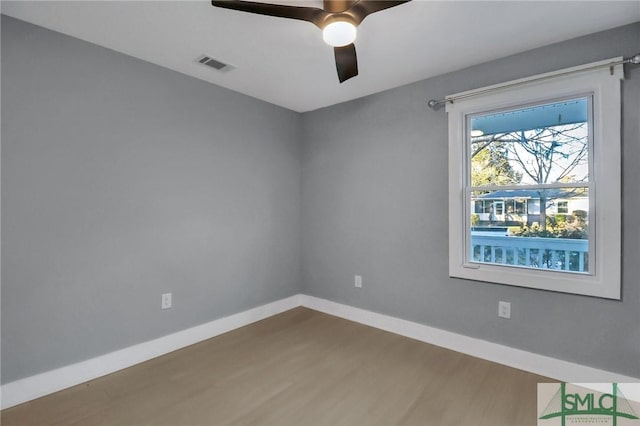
x,y
301,367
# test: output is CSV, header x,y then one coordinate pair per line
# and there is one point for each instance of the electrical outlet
x,y
504,309
358,281
166,301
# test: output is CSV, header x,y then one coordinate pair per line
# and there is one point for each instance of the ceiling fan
x,y
338,21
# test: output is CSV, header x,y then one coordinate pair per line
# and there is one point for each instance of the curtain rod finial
x,y
432,103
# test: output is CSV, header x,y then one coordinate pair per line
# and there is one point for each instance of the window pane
x,y
539,144
563,207
508,236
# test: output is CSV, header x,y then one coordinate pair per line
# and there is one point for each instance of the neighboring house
x,y
513,207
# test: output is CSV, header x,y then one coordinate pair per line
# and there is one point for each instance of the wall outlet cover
x,y
358,281
166,301
504,309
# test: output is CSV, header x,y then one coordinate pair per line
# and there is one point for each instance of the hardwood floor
x,y
301,367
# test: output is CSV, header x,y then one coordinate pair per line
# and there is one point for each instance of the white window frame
x,y
603,84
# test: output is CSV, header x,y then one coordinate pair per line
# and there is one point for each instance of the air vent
x,y
214,63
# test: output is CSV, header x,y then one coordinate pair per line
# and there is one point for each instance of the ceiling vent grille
x,y
214,63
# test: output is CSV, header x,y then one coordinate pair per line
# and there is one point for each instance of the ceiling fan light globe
x,y
340,33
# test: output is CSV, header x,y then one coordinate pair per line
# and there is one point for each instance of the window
x,y
534,182
563,207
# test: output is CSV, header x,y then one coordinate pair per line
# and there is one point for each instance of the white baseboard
x,y
32,387
539,364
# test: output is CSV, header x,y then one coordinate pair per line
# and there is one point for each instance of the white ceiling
x,y
285,62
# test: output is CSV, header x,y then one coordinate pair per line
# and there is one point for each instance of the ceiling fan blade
x,y
363,8
346,62
310,14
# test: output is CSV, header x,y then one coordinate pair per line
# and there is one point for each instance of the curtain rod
x,y
434,104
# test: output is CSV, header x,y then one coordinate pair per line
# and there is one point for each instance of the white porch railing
x,y
544,253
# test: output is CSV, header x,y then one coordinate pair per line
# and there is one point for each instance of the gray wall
x,y
122,180
375,203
